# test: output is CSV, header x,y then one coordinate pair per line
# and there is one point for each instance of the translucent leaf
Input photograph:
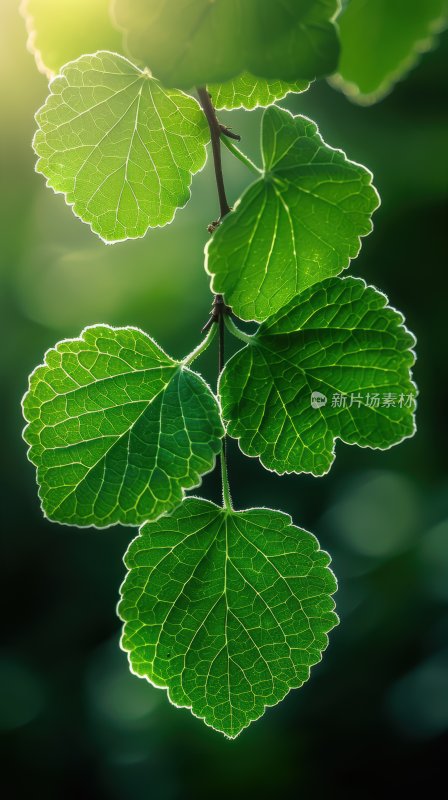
x,y
120,147
117,429
299,223
59,32
190,44
334,364
249,92
381,40
227,610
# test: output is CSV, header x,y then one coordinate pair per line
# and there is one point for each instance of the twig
x,y
215,134
219,308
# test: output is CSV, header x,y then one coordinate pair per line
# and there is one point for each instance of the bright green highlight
x,y
117,429
341,340
381,40
189,44
247,91
227,610
299,223
61,30
119,146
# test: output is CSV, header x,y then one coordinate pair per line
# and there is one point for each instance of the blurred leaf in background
x,y
381,40
59,32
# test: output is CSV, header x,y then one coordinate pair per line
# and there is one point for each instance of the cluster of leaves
x,y
226,609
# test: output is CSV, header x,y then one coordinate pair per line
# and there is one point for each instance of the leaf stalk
x,y
241,156
202,346
226,496
247,338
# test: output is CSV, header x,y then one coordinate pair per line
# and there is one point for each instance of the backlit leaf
x,y
299,223
117,429
249,92
227,610
334,364
119,146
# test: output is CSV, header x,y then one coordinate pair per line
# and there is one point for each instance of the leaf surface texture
x,y
227,610
121,148
117,429
299,223
247,91
341,340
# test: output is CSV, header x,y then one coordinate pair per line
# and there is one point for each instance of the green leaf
x,y
192,44
299,223
334,364
120,147
117,429
381,40
249,92
58,32
227,610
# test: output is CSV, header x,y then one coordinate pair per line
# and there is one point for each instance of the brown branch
x,y
215,134
219,307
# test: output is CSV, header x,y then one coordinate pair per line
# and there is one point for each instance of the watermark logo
x,y
374,400
318,400
369,399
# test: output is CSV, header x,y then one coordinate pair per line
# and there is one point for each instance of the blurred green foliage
x,y
74,722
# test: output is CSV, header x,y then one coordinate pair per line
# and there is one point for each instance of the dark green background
x,y
373,717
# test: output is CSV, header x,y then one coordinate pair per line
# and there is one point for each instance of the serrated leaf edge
x,y
262,178
29,447
401,324
259,105
167,688
60,74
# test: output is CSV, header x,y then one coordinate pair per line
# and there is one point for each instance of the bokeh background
x,y
374,715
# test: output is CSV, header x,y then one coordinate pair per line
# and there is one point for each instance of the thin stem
x,y
226,497
241,156
221,352
220,310
202,346
227,500
235,331
215,134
